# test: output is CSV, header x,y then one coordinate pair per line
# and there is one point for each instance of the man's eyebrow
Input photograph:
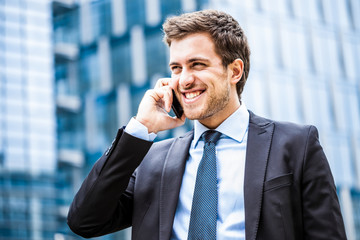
x,y
173,63
195,59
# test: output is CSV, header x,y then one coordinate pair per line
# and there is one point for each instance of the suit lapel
x,y
257,153
173,171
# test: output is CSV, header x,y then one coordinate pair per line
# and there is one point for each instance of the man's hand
x,y
155,106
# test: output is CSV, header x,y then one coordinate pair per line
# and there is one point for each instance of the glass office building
x,y
73,71
304,69
28,203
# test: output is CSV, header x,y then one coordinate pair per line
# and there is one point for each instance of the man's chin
x,y
192,115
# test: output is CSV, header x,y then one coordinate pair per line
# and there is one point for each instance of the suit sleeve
x,y
321,209
103,203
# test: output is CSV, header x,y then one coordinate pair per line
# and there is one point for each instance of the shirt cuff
x,y
137,129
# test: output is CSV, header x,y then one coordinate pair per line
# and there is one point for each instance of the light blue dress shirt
x,y
230,154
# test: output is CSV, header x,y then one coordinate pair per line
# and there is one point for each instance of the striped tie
x,y
205,201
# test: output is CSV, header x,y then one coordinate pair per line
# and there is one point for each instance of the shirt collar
x,y
235,126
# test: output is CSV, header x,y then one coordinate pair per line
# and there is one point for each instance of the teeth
x,y
192,94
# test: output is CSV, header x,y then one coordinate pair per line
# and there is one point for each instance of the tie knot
x,y
211,136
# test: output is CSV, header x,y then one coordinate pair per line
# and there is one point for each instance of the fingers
x,y
163,97
174,83
163,90
154,109
162,82
168,99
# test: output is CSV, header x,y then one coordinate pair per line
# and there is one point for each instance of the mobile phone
x,y
176,106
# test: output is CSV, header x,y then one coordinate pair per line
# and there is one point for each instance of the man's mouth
x,y
191,95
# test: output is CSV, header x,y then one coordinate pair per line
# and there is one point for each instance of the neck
x,y
215,120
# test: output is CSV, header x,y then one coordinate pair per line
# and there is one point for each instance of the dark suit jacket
x,y
289,191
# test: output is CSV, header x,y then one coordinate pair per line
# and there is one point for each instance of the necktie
x,y
203,215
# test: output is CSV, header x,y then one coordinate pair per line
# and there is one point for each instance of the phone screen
x,y
176,107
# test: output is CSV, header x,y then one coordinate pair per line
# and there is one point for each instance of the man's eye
x,y
175,69
198,64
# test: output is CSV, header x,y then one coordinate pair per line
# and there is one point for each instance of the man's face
x,y
202,84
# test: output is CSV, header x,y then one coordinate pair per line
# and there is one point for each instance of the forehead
x,y
193,45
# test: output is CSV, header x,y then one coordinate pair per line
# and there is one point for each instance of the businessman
x,y
236,175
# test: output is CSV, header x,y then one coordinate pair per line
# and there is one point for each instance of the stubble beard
x,y
213,106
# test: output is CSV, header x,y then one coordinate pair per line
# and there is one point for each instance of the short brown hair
x,y
229,38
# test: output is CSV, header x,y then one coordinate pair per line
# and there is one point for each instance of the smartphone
x,y
176,106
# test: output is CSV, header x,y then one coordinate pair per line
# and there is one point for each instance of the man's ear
x,y
237,69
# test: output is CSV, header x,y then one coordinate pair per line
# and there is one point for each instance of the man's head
x,y
229,38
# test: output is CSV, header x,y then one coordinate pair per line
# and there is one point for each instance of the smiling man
x,y
234,176
206,87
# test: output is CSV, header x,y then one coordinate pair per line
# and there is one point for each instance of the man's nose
x,y
186,79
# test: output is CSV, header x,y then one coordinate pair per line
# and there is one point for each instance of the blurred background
x,y
73,71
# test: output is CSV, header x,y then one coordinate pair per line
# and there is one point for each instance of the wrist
x,y
137,129
146,123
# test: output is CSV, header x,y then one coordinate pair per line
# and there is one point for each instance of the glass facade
x,y
307,59
28,201
73,71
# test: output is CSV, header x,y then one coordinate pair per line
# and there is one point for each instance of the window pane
x,y
155,54
255,94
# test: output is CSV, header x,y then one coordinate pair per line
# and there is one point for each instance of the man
x,y
265,180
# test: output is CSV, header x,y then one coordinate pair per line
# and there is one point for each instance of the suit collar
x,y
235,126
173,170
257,154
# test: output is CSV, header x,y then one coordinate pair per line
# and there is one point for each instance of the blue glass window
x,y
135,12
101,18
155,53
89,74
121,61
66,27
